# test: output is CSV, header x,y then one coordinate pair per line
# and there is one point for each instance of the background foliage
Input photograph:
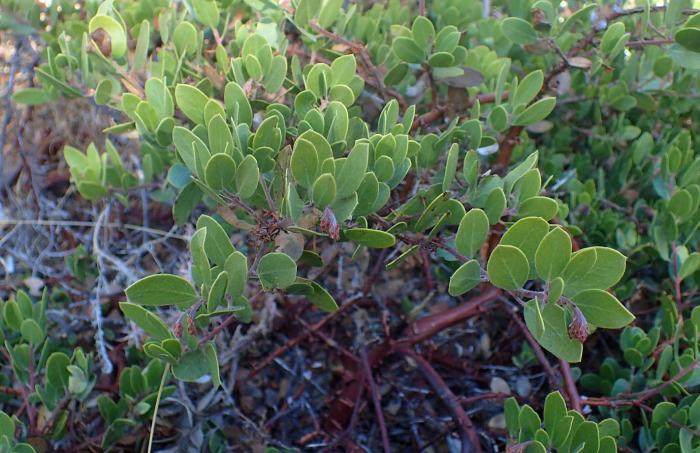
x,y
350,226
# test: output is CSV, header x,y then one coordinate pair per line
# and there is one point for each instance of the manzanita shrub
x,y
541,152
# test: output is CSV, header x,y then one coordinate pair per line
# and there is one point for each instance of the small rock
x,y
523,386
499,385
498,421
34,284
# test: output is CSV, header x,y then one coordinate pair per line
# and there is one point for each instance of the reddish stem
x,y
470,438
571,390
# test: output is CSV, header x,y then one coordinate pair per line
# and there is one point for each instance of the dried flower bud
x,y
329,224
103,41
517,448
178,330
539,20
191,328
578,329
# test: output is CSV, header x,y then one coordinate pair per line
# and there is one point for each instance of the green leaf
x,y
7,426
561,431
498,118
443,60
276,270
396,74
529,421
554,410
117,34
103,92
191,102
322,298
508,267
466,277
146,320
91,190
323,191
520,171
236,266
274,79
142,42
556,335
370,238
304,163
217,243
31,96
689,266
407,50
609,427
533,318
538,207
606,270
191,366
185,38
343,70
526,234
12,315
212,364
511,411
536,112
350,176
588,436
162,289
688,37
185,142
681,203
57,370
220,172
495,205
253,67
207,12
447,39
247,176
579,15
518,31
607,445
32,332
602,309
237,104
611,36
186,201
472,232
329,13
423,32
528,88
553,254
684,57
450,167
201,270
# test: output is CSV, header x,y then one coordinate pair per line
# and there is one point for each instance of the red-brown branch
x,y
470,438
571,390
376,401
539,353
439,111
636,399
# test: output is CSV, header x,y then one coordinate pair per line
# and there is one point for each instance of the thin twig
x,y
571,390
84,223
539,353
107,366
7,117
361,51
376,400
469,436
155,409
635,399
